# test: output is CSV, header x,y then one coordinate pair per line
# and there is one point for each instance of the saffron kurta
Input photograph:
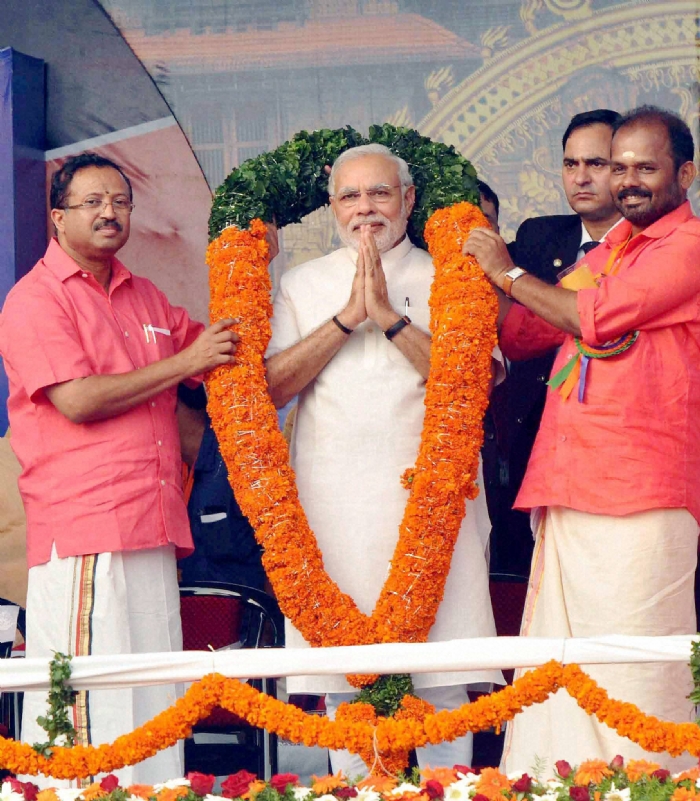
x,y
357,429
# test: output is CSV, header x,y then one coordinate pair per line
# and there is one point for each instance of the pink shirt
x,y
109,485
634,444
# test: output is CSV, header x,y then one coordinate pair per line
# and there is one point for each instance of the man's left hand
x,y
377,301
491,252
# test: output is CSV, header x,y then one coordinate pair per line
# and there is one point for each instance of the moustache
x,y
633,191
111,223
371,221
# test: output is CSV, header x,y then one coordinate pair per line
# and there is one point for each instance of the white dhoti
x,y
594,575
110,603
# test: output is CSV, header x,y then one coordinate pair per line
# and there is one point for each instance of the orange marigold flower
x,y
254,788
693,774
144,791
592,771
410,797
47,795
172,793
382,784
443,775
326,784
93,792
636,768
493,784
684,794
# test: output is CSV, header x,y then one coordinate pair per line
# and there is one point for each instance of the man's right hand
x,y
215,346
356,311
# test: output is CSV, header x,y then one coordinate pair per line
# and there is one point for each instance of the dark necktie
x,y
588,246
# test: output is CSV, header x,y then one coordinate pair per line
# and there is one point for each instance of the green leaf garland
x,y
290,182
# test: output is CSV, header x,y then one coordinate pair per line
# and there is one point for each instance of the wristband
x,y
342,327
399,325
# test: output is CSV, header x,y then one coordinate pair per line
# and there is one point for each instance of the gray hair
x,y
373,149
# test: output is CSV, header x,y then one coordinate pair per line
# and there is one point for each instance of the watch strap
x,y
399,325
510,278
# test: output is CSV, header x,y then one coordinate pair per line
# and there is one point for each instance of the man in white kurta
x,y
358,428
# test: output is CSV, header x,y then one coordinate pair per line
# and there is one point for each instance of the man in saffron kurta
x,y
93,356
615,473
360,377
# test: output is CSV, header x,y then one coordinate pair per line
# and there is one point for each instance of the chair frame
x,y
264,611
11,703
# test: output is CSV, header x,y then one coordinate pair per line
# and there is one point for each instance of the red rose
x,y
30,791
463,769
15,784
523,785
237,784
345,792
201,783
617,763
563,768
108,784
662,774
280,781
579,793
480,797
434,789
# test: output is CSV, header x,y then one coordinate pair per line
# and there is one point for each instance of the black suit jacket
x,y
544,246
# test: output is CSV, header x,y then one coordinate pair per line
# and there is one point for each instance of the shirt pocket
x,y
158,340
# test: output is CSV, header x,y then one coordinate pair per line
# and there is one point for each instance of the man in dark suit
x,y
545,246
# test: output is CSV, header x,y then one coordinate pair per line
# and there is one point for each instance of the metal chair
x,y
220,615
11,703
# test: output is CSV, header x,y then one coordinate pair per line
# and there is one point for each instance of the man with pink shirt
x,y
615,471
93,356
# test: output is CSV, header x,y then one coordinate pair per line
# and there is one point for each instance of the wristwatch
x,y
399,325
510,278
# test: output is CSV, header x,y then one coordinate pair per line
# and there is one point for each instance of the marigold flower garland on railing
x,y
389,734
463,314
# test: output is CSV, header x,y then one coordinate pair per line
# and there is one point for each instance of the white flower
x,y
300,793
469,778
617,795
171,784
553,784
68,794
8,794
208,797
138,798
404,788
327,797
367,794
457,791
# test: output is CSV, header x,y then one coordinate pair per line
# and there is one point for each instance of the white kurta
x,y
357,429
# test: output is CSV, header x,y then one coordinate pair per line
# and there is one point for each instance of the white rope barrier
x,y
137,670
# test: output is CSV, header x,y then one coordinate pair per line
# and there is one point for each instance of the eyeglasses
x,y
120,205
379,195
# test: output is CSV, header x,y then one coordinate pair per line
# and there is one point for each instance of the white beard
x,y
385,239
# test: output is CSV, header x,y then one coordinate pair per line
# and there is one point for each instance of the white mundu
x,y
357,429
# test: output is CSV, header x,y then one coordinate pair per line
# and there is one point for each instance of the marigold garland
x,y
463,314
390,735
